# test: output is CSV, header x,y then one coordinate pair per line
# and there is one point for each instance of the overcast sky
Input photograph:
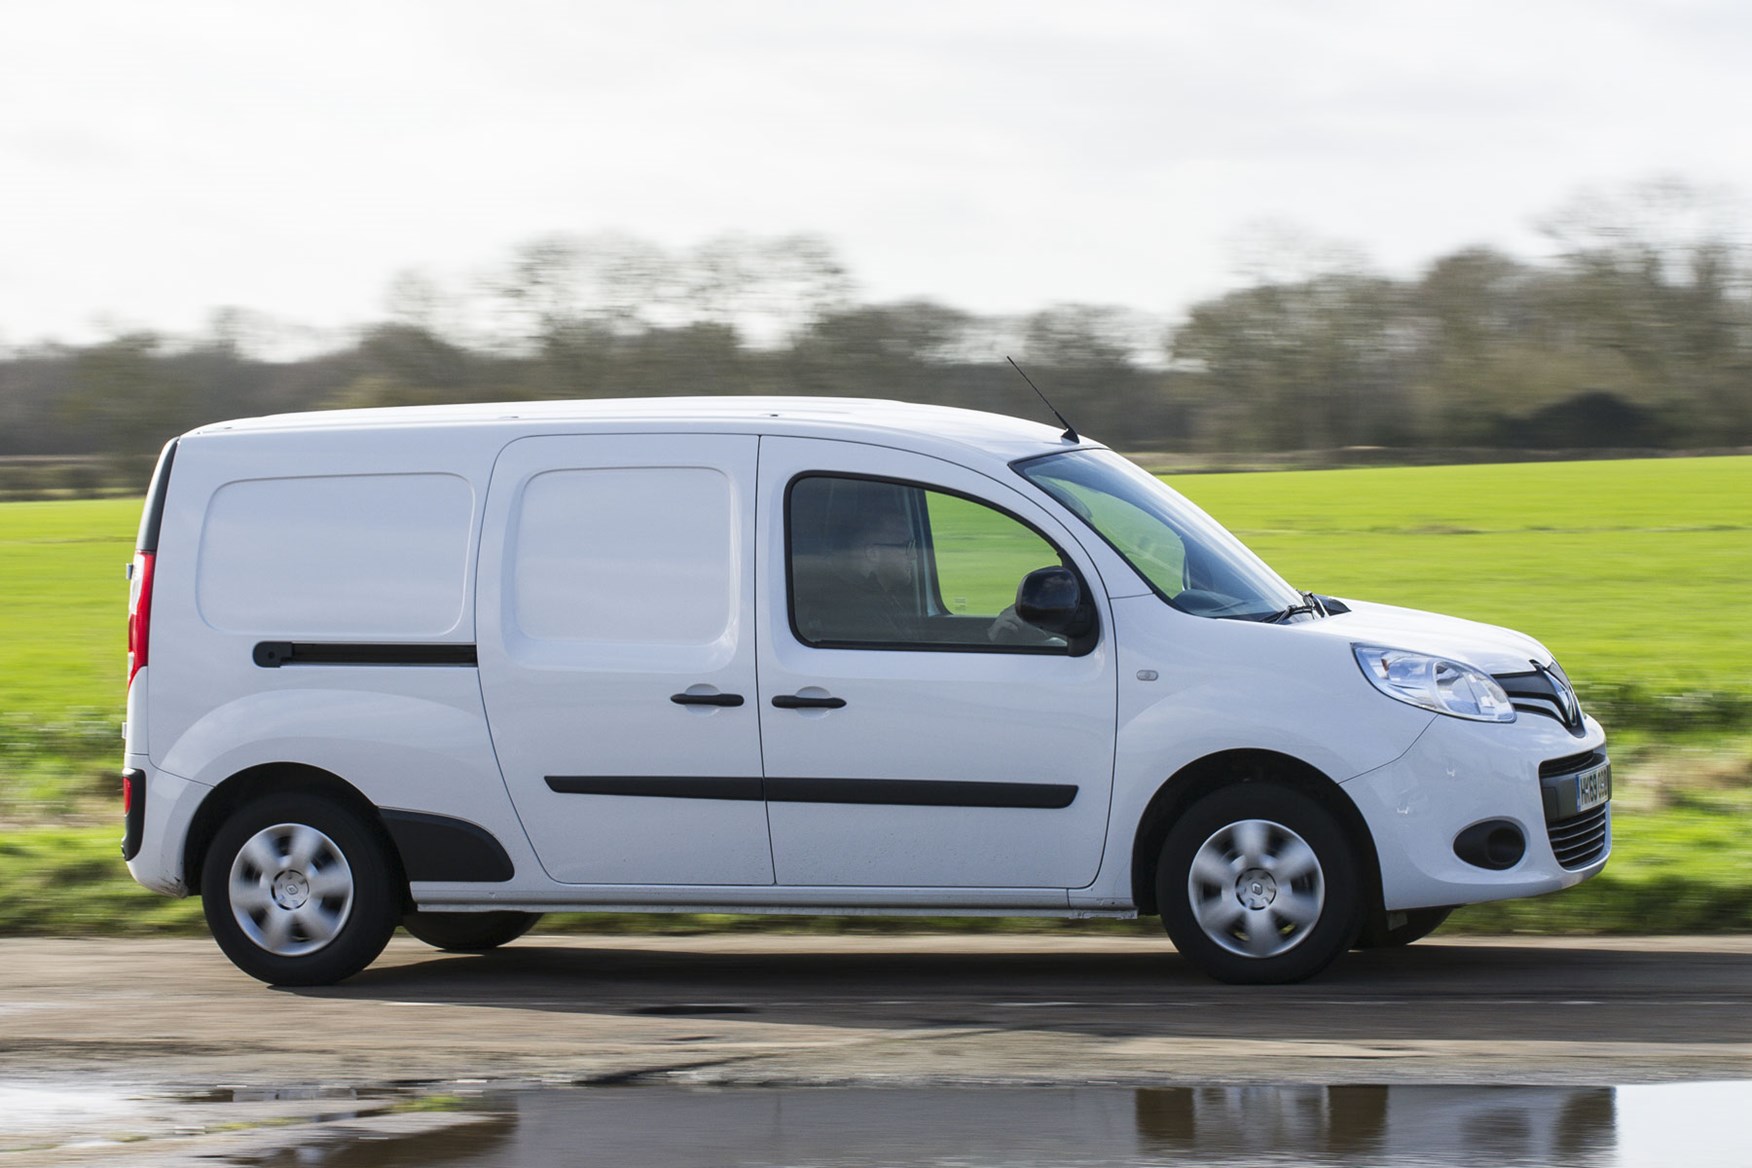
x,y
158,160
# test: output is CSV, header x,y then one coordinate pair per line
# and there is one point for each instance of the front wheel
x,y
298,890
1258,884
469,932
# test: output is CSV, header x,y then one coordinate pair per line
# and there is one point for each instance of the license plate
x,y
1593,787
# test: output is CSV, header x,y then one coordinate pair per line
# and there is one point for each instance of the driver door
x,y
914,734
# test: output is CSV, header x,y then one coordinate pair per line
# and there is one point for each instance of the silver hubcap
x,y
1256,888
291,889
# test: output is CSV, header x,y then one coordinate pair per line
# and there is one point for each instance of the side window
x,y
878,564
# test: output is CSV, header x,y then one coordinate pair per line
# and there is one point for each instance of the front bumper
x,y
1460,773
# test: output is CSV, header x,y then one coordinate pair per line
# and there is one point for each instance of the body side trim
x,y
440,847
870,792
274,654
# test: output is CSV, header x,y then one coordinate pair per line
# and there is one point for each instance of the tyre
x,y
298,890
1419,923
1258,884
468,932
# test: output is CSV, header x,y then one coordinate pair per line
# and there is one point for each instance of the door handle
x,y
717,699
796,702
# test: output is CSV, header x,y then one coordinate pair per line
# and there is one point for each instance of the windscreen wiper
x,y
1308,605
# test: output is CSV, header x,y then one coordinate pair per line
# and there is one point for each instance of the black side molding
x,y
870,792
658,786
274,654
921,793
437,847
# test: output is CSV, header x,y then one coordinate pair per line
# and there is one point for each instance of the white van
x,y
454,667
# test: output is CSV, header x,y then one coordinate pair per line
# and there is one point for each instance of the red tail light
x,y
127,793
139,611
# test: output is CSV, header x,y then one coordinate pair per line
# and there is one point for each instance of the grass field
x,y
63,622
1634,573
1631,571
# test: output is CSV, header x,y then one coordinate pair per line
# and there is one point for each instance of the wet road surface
x,y
1695,1124
141,1021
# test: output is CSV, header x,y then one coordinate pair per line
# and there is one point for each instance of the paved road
x,y
870,1010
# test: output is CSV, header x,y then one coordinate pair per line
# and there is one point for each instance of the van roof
x,y
810,416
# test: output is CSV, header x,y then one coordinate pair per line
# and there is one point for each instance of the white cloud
x,y
157,161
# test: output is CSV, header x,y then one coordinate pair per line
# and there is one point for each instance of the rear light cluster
x,y
139,611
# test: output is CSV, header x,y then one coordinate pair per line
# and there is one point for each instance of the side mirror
x,y
1053,600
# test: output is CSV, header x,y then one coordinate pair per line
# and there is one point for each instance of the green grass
x,y
64,606
68,881
1635,573
1631,571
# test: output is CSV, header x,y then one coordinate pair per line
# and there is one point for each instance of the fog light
x,y
1496,844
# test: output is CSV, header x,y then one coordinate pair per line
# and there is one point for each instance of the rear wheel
x,y
466,932
297,890
1257,884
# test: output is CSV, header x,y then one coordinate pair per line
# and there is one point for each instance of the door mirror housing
x,y
1053,600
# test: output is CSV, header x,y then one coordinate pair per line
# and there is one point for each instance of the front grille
x,y
1581,839
1571,764
1542,691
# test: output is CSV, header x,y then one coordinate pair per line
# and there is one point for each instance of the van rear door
x,y
617,657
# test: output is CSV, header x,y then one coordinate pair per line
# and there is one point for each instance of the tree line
x,y
1635,332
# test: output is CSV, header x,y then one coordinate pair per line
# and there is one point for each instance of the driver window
x,y
878,564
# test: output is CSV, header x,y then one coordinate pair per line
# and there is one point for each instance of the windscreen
x,y
1187,557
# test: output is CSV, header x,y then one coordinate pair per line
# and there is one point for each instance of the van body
x,y
454,667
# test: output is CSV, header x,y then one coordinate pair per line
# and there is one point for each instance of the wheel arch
x,y
279,778
1229,767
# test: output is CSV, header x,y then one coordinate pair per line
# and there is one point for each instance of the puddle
x,y
474,1125
26,1108
1697,1125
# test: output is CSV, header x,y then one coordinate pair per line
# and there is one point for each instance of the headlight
x,y
1435,683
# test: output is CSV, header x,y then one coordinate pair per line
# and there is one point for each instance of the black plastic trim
x,y
798,702
1581,839
274,654
658,786
1080,647
439,847
1536,692
726,700
134,823
869,792
921,793
152,516
1495,844
1570,764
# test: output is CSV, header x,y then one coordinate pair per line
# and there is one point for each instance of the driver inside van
x,y
855,562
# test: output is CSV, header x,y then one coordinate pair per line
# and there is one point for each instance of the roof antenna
x,y
1070,434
